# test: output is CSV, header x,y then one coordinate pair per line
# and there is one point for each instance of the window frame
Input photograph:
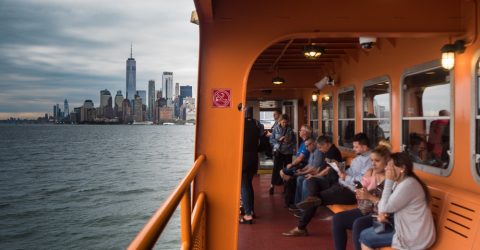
x,y
333,113
421,68
373,81
354,119
474,116
311,121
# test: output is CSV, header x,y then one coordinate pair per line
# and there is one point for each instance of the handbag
x,y
276,150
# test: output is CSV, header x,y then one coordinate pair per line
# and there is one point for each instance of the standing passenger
x,y
249,164
284,141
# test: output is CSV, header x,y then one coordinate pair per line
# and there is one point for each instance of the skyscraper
x,y
185,91
177,89
151,98
143,95
118,104
167,87
138,113
66,110
131,77
105,104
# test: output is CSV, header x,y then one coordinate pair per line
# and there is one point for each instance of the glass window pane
x,y
477,121
477,131
346,105
427,93
327,116
376,101
376,130
327,128
428,141
346,131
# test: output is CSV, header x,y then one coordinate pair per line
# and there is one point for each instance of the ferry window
x,y
266,118
346,118
314,117
327,115
427,117
477,121
376,112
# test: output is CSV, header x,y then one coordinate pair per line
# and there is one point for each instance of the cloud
x,y
52,50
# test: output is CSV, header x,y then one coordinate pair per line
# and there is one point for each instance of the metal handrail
x,y
150,233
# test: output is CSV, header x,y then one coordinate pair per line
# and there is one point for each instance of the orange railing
x,y
192,224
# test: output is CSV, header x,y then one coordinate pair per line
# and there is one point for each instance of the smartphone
x,y
357,184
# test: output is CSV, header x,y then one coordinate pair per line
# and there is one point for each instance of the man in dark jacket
x,y
249,164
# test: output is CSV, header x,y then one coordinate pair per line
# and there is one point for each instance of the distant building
x,y
138,112
88,104
126,111
166,114
177,89
117,110
105,110
185,91
143,95
188,110
66,110
167,88
151,99
55,112
159,94
131,77
87,112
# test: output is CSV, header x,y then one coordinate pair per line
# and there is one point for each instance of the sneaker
x,y
296,232
309,202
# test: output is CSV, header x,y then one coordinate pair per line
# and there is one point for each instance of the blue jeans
x,y
247,192
373,240
302,191
349,220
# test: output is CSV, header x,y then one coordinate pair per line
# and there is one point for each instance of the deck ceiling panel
x,y
394,16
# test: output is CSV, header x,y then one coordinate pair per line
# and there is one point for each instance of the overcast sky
x,y
56,49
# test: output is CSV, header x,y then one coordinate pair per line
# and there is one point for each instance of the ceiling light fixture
x,y
326,98
449,51
277,80
313,51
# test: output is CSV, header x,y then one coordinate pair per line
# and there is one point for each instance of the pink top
x,y
369,181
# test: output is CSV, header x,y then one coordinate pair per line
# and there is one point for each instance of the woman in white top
x,y
406,196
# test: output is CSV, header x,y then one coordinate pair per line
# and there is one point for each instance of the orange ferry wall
x,y
234,33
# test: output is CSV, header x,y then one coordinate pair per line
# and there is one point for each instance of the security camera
x,y
367,42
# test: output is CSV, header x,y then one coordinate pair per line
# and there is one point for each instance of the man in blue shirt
x,y
300,161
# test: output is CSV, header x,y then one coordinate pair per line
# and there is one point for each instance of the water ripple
x,y
87,187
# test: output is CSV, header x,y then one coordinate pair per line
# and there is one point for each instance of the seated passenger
x,y
327,191
300,161
313,166
367,195
407,197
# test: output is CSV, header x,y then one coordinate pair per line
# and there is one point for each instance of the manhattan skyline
x,y
56,49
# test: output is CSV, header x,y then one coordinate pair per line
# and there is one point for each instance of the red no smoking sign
x,y
221,98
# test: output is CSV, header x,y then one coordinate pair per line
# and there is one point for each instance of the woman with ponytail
x,y
406,196
368,194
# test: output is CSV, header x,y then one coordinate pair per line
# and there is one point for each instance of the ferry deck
x,y
422,57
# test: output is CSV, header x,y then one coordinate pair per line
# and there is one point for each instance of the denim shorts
x,y
373,240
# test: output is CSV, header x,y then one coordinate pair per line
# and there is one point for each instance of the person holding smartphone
x,y
368,192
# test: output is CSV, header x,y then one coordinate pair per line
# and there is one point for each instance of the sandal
x,y
245,221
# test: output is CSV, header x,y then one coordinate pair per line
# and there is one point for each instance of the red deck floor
x,y
273,219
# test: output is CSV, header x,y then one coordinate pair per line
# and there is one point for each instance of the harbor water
x,y
88,186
